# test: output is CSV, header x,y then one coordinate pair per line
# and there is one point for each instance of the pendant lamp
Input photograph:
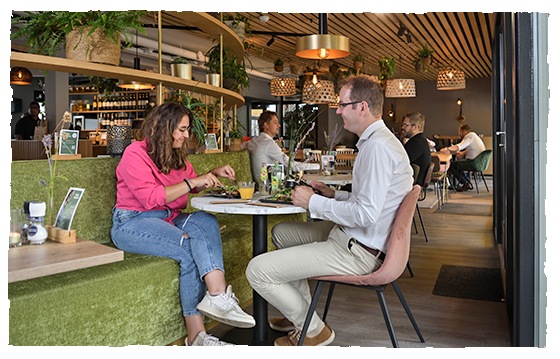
x,y
320,92
451,79
20,76
283,86
399,88
135,85
323,46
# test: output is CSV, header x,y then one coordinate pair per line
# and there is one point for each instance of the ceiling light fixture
x,y
451,79
271,40
135,85
400,87
323,46
20,76
283,86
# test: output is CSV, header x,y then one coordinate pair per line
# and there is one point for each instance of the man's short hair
x,y
265,117
365,88
416,118
465,127
35,103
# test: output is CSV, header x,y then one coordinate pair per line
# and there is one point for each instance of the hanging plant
x,y
386,68
425,53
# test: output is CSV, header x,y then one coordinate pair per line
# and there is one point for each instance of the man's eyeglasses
x,y
342,105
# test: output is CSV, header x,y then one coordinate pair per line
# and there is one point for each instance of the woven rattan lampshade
x,y
320,92
451,79
400,88
283,86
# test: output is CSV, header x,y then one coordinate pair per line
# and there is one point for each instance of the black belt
x,y
371,250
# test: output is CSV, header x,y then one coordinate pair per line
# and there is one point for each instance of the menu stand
x,y
61,235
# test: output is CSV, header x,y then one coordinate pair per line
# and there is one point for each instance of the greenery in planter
x,y
359,57
237,19
386,68
233,69
180,60
198,109
279,62
45,31
425,51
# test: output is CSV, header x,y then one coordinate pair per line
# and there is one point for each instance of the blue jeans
x,y
193,241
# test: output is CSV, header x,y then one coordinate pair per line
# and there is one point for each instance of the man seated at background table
x,y
417,146
471,145
352,237
263,149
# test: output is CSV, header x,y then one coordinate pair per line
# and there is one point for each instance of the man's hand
x,y
301,196
322,189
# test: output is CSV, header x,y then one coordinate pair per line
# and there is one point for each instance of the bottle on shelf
x,y
94,104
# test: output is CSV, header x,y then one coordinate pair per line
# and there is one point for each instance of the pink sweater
x,y
140,184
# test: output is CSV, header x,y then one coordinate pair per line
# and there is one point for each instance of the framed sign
x,y
211,142
68,142
68,208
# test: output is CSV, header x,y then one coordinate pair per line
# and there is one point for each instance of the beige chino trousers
x,y
304,250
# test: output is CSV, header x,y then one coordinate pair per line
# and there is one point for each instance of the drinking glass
x,y
15,227
246,190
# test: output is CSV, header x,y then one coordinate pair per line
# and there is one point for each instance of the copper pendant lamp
x,y
20,76
323,46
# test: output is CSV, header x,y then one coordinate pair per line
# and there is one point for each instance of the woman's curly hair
x,y
158,130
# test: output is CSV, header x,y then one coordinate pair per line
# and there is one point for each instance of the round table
x,y
260,235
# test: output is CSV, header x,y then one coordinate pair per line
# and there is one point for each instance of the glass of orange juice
x,y
246,189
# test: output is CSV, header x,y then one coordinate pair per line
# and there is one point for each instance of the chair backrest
x,y
415,170
436,162
481,161
428,177
398,248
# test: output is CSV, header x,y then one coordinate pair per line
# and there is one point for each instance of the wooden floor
x,y
445,322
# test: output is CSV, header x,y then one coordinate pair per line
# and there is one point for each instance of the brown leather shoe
x,y
281,325
291,340
465,187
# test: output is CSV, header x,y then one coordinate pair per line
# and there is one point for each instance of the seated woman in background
x,y
154,179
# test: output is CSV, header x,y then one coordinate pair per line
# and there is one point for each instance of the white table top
x,y
203,203
339,180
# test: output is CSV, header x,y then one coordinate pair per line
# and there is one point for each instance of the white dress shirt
x,y
263,149
473,144
381,178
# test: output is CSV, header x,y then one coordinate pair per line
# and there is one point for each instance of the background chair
x,y
393,266
439,179
422,197
477,165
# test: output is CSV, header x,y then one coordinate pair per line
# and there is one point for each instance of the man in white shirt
x,y
352,237
263,149
471,145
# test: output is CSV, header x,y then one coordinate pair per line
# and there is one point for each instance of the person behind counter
x,y
154,179
25,127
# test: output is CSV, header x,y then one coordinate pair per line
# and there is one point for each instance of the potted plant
x,y
418,65
240,24
234,70
180,67
425,53
358,62
294,69
386,69
88,36
279,65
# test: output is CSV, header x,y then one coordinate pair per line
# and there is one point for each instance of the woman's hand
x,y
224,171
205,181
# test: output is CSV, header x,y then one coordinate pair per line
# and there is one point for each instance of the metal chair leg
x,y
422,222
328,303
409,270
484,180
407,310
310,311
387,318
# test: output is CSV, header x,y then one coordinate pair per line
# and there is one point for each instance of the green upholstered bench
x,y
131,302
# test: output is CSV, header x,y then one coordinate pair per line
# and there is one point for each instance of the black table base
x,y
245,337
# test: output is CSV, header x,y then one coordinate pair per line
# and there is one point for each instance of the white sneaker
x,y
208,346
224,308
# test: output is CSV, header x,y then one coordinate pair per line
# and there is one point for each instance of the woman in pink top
x,y
154,179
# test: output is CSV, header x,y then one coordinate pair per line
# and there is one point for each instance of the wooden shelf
x,y
86,68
